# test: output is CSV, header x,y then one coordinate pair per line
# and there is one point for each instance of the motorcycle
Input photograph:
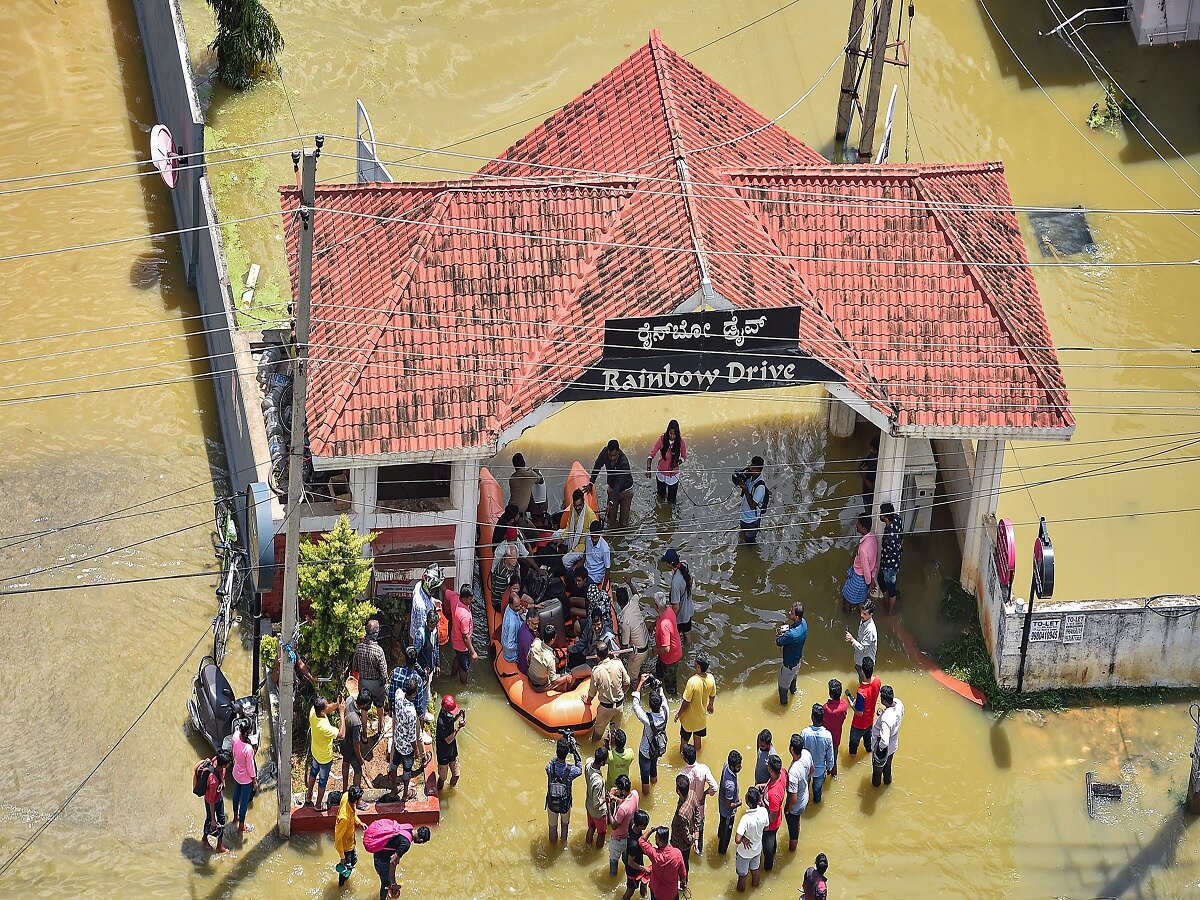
x,y
216,712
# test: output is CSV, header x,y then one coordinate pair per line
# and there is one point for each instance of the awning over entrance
x,y
445,313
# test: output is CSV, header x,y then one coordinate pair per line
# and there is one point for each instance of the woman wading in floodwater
x,y
671,452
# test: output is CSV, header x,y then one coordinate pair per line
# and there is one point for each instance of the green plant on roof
x,y
247,41
1116,109
333,578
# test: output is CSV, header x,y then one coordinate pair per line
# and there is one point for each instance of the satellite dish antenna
x,y
162,152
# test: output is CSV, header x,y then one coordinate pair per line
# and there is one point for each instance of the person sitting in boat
x,y
575,525
593,633
504,570
525,639
544,665
577,593
512,540
508,519
545,588
516,605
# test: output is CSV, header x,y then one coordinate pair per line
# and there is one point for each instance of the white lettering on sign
x,y
1073,629
649,335
749,328
1045,629
621,380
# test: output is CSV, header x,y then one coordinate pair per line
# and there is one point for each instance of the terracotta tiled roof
x,y
445,312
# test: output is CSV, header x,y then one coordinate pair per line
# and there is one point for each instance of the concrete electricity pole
x,y
850,72
1193,794
878,51
291,573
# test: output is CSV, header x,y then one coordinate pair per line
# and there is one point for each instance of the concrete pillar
x,y
889,476
985,496
464,490
841,418
364,488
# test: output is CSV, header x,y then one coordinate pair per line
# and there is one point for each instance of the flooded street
x,y
979,808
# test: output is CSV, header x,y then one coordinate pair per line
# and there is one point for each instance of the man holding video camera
x,y
754,498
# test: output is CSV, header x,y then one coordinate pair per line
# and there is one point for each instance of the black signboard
x,y
700,352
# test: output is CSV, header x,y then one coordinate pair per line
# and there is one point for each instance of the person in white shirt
x,y
797,788
748,860
703,786
885,735
867,642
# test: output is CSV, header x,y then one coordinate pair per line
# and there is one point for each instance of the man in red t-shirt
x,y
462,629
775,792
667,645
864,706
667,871
836,708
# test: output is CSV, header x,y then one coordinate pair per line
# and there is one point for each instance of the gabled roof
x,y
443,313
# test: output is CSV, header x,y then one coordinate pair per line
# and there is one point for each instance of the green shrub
x,y
333,578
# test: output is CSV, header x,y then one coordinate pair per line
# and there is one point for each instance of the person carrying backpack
x,y
208,781
559,775
654,729
755,498
387,840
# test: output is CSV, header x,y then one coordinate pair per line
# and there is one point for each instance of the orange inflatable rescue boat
x,y
549,711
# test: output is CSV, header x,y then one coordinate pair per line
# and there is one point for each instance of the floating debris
x,y
1063,232
1099,790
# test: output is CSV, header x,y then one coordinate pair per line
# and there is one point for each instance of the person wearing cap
x,y
790,639
885,735
462,633
816,885
632,626
667,645
451,720
597,555
620,482
867,642
609,685
681,592
427,593
699,695
891,547
521,482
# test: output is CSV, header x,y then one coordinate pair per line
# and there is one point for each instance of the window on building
x,y
414,488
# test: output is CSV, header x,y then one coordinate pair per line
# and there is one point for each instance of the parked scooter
x,y
214,710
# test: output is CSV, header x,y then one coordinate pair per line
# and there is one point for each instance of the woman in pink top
x,y
671,451
866,564
245,776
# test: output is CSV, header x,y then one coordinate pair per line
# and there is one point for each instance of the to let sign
x,y
700,352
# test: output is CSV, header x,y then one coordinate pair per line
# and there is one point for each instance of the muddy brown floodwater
x,y
979,807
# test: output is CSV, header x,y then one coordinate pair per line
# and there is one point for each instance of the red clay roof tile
x,y
444,312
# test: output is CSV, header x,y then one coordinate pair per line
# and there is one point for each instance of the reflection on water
x,y
978,808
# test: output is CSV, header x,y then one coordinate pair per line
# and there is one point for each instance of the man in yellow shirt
x,y
343,833
321,734
697,705
575,525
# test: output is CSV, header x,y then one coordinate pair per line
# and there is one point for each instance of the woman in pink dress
x,y
670,450
245,776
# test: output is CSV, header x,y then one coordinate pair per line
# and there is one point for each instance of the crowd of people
x,y
563,563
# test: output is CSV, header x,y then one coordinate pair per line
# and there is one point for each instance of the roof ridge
x,y
666,94
1002,313
376,330
473,183
865,170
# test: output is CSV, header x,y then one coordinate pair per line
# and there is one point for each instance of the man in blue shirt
x,y
510,626
728,800
597,555
754,498
791,638
818,742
